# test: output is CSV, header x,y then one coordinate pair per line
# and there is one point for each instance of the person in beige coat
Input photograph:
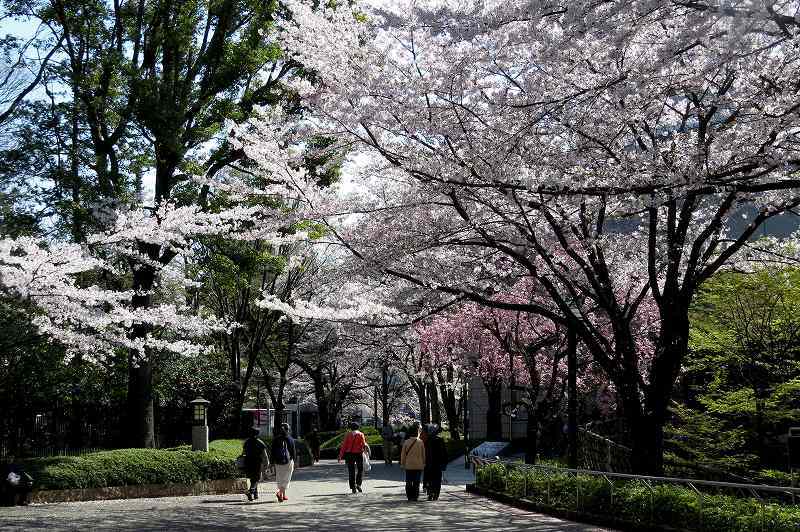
x,y
412,459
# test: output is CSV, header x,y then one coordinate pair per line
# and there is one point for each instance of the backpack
x,y
282,456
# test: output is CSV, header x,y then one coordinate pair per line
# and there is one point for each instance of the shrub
x,y
638,504
130,467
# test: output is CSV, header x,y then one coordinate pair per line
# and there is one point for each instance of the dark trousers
x,y
412,484
254,478
355,468
315,452
434,479
14,495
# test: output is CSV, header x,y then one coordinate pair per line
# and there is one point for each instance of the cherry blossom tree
x,y
609,151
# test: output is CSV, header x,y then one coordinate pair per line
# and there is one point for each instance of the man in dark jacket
x,y
313,441
15,485
435,462
255,461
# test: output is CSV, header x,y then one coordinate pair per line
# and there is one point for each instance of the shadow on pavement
x,y
312,508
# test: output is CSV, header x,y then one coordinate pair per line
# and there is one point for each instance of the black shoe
x,y
359,489
249,495
354,491
255,495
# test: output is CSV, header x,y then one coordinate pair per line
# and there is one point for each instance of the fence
x,y
561,488
599,453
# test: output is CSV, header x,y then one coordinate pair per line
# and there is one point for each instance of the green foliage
x,y
124,467
742,377
636,504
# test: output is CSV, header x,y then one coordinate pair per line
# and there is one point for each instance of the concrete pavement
x,y
320,500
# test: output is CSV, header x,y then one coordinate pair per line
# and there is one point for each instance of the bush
x,y
125,467
637,504
128,467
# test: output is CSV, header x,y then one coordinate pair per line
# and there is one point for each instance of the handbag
x,y
367,464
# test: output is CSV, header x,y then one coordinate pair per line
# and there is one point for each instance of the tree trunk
x,y
433,400
647,447
140,405
424,409
450,404
385,395
758,426
141,418
646,416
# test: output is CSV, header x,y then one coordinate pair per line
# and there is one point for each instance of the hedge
x,y
126,467
634,504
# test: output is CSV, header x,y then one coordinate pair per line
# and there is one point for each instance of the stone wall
x,y
513,427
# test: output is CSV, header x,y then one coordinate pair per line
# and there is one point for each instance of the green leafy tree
x,y
744,371
147,87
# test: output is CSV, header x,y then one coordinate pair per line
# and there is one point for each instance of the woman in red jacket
x,y
353,448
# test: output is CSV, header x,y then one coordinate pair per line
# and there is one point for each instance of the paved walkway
x,y
319,501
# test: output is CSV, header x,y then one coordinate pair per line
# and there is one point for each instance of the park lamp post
x,y
572,385
200,424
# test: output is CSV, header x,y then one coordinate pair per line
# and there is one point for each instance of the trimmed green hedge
x,y
124,467
671,505
127,467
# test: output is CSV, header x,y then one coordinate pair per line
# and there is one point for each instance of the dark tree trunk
x,y
140,405
141,418
647,447
450,404
433,400
385,395
424,407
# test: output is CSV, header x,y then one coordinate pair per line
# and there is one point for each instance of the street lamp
x,y
200,424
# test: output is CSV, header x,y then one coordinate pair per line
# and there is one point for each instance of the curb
x,y
207,487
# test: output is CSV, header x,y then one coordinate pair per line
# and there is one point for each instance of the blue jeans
x,y
412,483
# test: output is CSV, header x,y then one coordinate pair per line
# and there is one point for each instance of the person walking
x,y
255,461
314,443
424,437
412,459
352,450
15,485
283,455
388,439
435,462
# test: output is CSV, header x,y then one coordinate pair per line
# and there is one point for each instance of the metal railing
x,y
759,493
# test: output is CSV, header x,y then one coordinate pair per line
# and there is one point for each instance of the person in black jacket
x,y
15,485
283,456
435,461
313,441
255,461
